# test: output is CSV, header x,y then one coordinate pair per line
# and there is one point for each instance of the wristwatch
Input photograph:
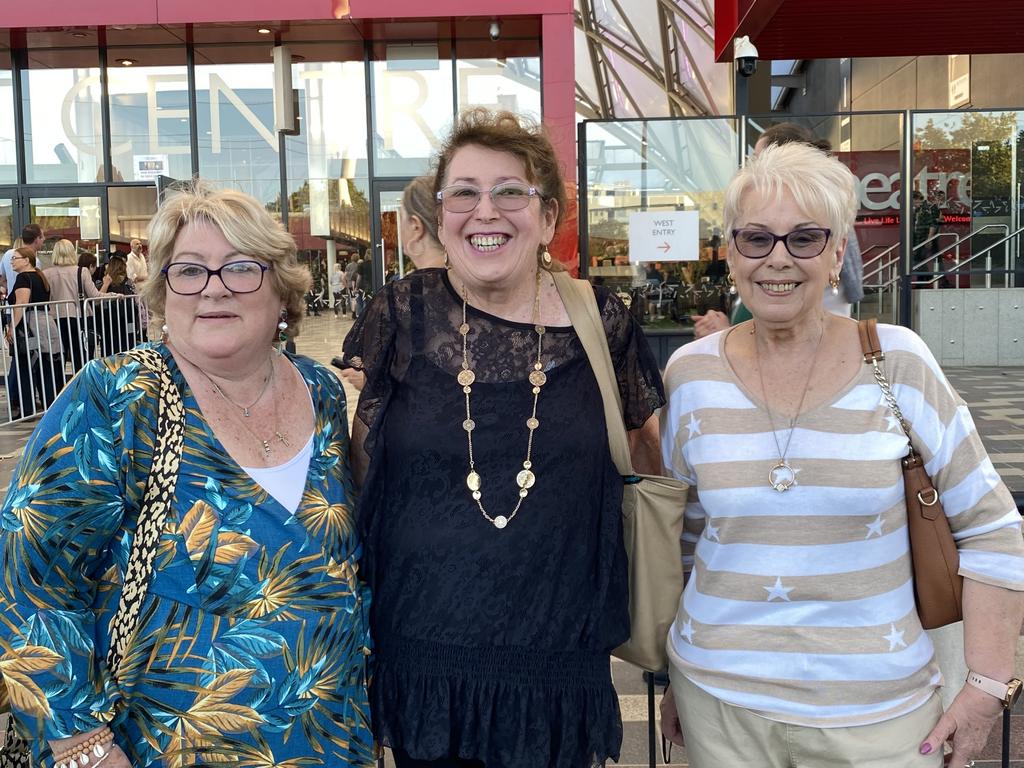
x,y
1007,693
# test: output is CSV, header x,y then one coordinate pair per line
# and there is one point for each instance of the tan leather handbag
x,y
652,506
938,586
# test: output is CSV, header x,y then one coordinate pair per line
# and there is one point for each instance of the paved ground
x,y
995,397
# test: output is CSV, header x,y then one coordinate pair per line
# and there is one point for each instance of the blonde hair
x,y
246,225
418,200
64,254
822,187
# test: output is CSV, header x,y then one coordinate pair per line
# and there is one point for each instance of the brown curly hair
x,y
521,137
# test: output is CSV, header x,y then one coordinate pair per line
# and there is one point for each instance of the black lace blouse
x,y
493,644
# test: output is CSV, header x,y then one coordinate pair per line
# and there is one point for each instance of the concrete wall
x,y
979,326
905,82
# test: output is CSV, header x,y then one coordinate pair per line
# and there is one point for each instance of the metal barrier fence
x,y
48,342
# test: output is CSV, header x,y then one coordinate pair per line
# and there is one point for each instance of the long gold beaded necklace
x,y
525,478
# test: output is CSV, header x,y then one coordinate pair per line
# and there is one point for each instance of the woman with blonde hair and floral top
x,y
251,639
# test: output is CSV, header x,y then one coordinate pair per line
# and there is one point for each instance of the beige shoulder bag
x,y
652,506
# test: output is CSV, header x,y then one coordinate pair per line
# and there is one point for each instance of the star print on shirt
x,y
777,591
694,425
687,631
895,638
711,532
874,527
894,423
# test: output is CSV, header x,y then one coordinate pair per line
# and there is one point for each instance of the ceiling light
x,y
264,30
127,62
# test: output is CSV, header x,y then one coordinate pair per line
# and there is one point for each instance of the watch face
x,y
1013,691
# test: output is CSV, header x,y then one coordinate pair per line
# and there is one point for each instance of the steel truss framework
x,y
648,58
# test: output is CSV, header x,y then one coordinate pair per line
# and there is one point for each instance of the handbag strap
x,y
873,355
81,295
581,304
163,475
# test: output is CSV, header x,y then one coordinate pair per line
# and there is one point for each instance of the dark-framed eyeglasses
x,y
801,243
188,279
508,196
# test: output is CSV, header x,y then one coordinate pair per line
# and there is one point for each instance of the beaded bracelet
x,y
99,744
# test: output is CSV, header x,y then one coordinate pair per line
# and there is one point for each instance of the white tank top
x,y
287,481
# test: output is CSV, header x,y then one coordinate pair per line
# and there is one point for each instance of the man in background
x,y
138,267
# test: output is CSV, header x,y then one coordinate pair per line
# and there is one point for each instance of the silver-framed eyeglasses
x,y
188,279
508,196
803,243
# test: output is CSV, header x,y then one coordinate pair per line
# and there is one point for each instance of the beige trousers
x,y
719,735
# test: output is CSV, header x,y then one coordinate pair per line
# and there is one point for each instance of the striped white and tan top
x,y
799,605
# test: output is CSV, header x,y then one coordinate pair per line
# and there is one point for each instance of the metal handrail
x,y
938,235
866,251
957,243
881,266
988,269
1009,236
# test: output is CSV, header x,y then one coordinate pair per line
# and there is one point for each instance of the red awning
x,y
829,29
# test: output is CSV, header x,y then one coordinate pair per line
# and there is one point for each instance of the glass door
x,y
69,213
8,226
389,259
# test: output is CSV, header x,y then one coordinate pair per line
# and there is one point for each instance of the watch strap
x,y
1001,691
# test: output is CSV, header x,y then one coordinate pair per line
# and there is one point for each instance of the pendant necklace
x,y
265,443
782,476
525,478
245,409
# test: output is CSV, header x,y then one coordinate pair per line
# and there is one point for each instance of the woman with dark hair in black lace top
x,y
490,508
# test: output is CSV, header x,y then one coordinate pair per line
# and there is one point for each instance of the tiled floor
x,y
995,397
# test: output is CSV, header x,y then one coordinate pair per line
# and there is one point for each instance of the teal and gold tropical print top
x,y
252,641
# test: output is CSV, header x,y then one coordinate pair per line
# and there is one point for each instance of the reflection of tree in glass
x,y
991,167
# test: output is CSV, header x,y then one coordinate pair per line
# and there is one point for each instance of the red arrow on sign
x,y
664,247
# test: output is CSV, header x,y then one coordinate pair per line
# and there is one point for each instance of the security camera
x,y
495,30
745,54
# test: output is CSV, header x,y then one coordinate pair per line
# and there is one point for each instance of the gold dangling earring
x,y
834,282
732,284
546,257
447,261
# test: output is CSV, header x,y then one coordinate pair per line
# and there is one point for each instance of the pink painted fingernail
x,y
926,748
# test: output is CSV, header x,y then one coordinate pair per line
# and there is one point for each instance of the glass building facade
x,y
92,119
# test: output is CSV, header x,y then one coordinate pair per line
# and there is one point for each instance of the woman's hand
x,y
966,725
670,727
117,758
711,322
105,284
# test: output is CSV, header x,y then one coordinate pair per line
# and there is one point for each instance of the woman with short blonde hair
x,y
72,285
253,627
798,626
250,229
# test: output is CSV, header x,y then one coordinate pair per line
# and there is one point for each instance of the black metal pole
x,y
742,93
583,200
651,755
1005,763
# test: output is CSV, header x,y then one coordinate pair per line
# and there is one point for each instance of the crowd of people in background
x,y
58,318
